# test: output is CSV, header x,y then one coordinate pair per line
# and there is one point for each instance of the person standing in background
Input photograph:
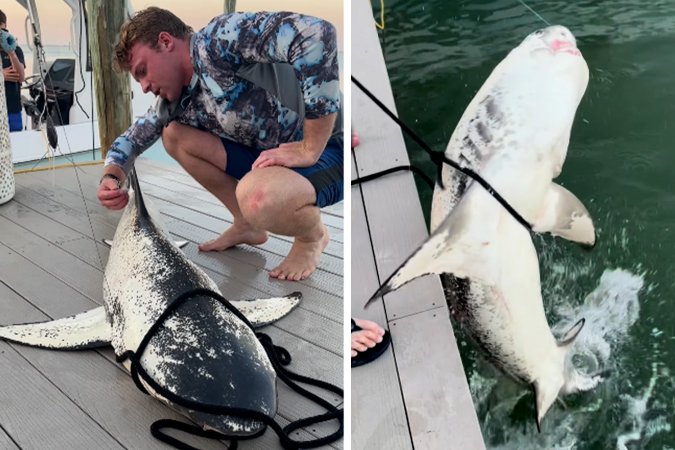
x,y
13,65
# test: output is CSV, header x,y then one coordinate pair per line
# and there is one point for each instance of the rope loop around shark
x,y
514,134
206,350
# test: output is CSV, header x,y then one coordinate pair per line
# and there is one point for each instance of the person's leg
x,y
203,156
15,122
280,200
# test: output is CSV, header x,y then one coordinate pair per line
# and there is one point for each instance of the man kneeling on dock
x,y
250,107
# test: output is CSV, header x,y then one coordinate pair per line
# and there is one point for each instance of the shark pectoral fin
x,y
265,311
571,334
89,329
565,216
442,252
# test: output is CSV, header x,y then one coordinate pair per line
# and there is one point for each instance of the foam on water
x,y
610,312
638,426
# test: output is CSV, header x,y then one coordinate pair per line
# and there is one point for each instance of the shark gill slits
x,y
483,132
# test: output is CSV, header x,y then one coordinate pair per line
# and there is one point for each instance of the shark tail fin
x,y
89,329
546,393
265,311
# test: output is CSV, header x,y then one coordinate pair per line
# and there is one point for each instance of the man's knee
x,y
255,198
171,139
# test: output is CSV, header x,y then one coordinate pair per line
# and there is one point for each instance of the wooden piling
x,y
113,90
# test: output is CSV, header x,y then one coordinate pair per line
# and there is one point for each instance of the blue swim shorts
x,y
326,175
15,122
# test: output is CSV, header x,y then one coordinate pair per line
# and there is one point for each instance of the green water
x,y
155,152
619,164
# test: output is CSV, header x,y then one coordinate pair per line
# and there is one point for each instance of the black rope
x,y
438,158
278,357
415,170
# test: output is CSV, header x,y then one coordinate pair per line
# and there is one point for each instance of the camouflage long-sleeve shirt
x,y
256,77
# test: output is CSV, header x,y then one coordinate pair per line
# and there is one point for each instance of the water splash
x,y
610,310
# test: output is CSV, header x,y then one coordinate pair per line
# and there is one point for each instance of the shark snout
x,y
561,40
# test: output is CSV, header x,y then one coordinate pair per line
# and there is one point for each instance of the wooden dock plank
x,y
6,442
35,412
435,391
370,427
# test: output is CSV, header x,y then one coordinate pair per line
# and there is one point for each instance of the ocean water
x,y
619,164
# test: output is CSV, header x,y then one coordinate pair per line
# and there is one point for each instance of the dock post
x,y
7,185
113,90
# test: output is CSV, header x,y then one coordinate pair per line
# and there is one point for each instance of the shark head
x,y
555,39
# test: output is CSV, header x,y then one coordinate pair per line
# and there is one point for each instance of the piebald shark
x,y
203,353
515,134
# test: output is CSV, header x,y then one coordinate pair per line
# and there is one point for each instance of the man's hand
x,y
111,195
10,74
300,154
7,41
292,154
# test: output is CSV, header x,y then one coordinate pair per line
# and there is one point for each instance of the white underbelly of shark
x,y
514,134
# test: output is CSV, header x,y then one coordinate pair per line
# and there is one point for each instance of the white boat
x,y
71,102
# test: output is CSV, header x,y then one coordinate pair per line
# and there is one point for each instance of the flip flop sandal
x,y
370,354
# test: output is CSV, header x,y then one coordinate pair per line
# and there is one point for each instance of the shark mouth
x,y
561,46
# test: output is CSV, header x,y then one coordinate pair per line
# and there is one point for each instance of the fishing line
x,y
51,129
535,13
438,158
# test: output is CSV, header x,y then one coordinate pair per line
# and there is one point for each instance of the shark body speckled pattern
x,y
204,352
515,134
6,166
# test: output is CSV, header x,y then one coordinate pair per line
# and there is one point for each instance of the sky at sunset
x,y
55,15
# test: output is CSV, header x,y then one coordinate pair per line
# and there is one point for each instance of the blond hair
x,y
144,27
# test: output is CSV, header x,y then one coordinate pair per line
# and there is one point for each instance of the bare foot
x,y
366,338
355,139
302,260
233,236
